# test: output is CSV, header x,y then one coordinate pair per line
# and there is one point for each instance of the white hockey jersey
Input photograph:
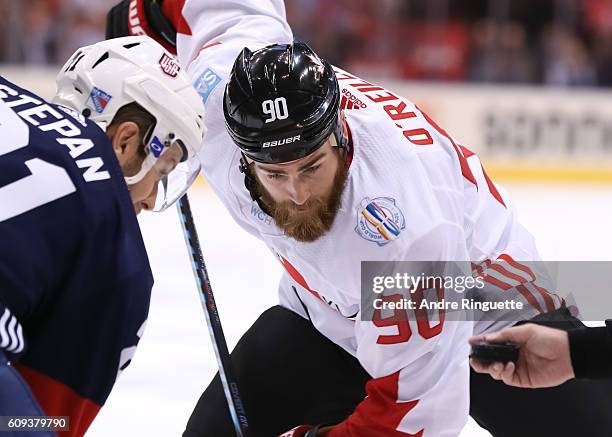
x,y
441,200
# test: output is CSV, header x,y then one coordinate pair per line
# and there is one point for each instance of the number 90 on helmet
x,y
100,79
281,103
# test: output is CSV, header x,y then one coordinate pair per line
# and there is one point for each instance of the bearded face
x,y
303,196
314,218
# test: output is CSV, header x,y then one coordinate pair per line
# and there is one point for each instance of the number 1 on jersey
x,y
47,182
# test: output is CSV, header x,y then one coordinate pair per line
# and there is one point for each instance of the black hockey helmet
x,y
281,103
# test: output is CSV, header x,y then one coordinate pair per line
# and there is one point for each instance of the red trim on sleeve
x,y
138,25
297,277
379,414
209,45
57,399
492,187
173,11
546,295
466,152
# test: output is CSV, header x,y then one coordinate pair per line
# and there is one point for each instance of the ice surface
x,y
175,361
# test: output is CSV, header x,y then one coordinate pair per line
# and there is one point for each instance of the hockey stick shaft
x,y
226,371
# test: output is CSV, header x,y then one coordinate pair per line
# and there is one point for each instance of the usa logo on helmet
x,y
169,65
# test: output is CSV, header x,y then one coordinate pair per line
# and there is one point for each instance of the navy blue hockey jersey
x,y
73,267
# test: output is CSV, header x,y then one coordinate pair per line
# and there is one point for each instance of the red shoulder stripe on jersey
x,y
57,399
209,45
379,414
465,168
173,11
297,277
466,152
492,187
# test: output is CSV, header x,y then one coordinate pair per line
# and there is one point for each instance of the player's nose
x,y
148,203
299,191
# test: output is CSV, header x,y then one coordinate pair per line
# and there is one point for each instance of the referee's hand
x,y
544,357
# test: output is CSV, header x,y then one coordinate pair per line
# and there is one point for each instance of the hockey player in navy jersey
x,y
120,136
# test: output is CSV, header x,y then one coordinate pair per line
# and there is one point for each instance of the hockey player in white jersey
x,y
327,188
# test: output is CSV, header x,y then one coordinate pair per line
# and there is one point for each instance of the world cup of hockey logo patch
x,y
379,220
169,65
99,99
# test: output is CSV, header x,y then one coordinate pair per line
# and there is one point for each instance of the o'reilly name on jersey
x,y
281,142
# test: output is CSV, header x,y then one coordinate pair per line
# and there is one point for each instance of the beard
x,y
308,222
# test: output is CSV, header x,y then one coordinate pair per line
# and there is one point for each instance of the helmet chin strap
x,y
150,159
251,183
147,165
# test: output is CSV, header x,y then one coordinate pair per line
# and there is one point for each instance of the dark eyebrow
x,y
312,162
273,171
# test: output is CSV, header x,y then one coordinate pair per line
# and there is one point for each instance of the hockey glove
x,y
303,431
141,17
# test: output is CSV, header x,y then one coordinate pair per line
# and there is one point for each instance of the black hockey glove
x,y
147,18
303,431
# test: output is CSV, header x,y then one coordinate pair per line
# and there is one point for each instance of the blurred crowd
x,y
48,31
557,42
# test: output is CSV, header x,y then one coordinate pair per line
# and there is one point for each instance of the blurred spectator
x,y
436,51
86,23
603,58
37,40
598,17
566,61
500,53
48,31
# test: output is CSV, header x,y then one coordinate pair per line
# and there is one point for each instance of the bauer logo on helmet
x,y
282,141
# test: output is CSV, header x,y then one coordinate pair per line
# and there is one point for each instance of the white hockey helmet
x,y
101,78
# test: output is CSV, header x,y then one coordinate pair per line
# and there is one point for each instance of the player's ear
x,y
125,139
